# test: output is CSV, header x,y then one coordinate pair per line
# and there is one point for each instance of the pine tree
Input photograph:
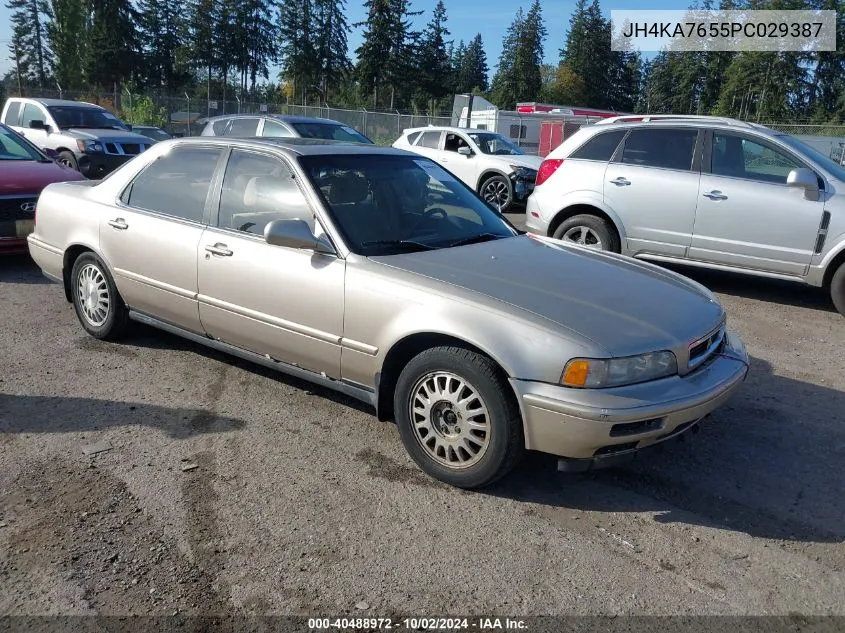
x,y
201,29
529,54
505,86
67,34
434,63
162,34
300,63
472,72
332,48
256,42
28,47
112,51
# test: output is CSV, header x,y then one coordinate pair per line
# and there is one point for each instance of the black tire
x,y
837,289
605,231
505,442
504,189
115,323
68,158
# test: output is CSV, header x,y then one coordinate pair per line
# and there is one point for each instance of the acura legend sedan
x,y
375,272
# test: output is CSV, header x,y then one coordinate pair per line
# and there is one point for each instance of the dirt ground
x,y
228,489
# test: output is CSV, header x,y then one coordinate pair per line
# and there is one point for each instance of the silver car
x,y
702,191
281,126
375,272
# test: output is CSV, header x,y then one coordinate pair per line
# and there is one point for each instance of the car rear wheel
x,y
496,190
455,417
590,231
98,305
68,160
837,289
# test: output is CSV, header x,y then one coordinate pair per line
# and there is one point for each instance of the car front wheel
x,y
68,160
837,289
456,419
497,190
98,305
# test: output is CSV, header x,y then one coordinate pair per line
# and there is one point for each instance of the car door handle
x,y
119,224
715,195
219,249
621,182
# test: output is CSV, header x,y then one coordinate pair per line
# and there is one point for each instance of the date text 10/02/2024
x,y
418,624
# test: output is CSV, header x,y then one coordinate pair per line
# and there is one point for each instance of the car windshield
x,y
330,131
78,117
152,132
837,170
491,143
384,205
14,147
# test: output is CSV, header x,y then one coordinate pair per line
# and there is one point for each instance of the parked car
x,y
86,137
377,273
281,126
704,191
498,170
151,132
24,172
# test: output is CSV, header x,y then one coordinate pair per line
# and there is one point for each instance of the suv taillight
x,y
547,168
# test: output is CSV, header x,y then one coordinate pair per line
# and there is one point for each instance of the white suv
x,y
488,162
704,191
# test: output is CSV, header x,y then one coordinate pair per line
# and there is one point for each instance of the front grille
x,y
17,214
706,348
125,149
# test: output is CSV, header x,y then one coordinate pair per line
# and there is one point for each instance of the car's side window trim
x,y
17,118
620,150
707,161
121,198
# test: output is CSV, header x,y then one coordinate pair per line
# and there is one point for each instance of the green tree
x,y
332,47
67,34
434,62
300,63
472,67
506,85
28,47
201,32
112,52
163,32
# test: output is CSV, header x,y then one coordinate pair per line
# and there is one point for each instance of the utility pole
x,y
18,70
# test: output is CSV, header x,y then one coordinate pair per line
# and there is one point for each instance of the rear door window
x,y
664,148
601,147
429,139
412,137
176,184
275,129
243,127
12,113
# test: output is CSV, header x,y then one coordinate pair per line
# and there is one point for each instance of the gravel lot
x,y
230,489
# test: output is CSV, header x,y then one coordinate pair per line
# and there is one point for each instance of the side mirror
x,y
51,153
806,180
295,234
464,151
37,124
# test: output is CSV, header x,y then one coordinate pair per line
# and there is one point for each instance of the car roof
x,y
446,128
293,145
57,102
290,118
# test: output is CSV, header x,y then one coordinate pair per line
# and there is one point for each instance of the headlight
x,y
92,147
524,172
593,373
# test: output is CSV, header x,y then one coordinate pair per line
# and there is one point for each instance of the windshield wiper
x,y
477,239
404,244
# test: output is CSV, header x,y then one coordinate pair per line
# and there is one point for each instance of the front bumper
x,y
596,427
96,166
522,186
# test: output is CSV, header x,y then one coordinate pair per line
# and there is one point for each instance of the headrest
x,y
349,188
260,188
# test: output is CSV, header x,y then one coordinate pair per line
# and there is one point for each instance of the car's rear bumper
x,y
534,218
596,427
96,166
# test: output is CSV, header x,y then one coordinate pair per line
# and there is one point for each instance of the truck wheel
x,y
837,289
589,230
68,159
98,305
496,190
455,417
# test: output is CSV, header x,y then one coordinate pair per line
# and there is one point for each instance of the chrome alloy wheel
x,y
93,295
450,419
496,191
583,235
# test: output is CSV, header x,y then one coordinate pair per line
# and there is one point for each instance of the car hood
x,y
106,135
624,306
532,162
22,177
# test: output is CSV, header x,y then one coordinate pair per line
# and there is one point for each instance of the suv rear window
x,y
412,137
600,147
430,140
12,112
666,148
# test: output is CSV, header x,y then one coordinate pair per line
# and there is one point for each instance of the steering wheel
x,y
426,216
